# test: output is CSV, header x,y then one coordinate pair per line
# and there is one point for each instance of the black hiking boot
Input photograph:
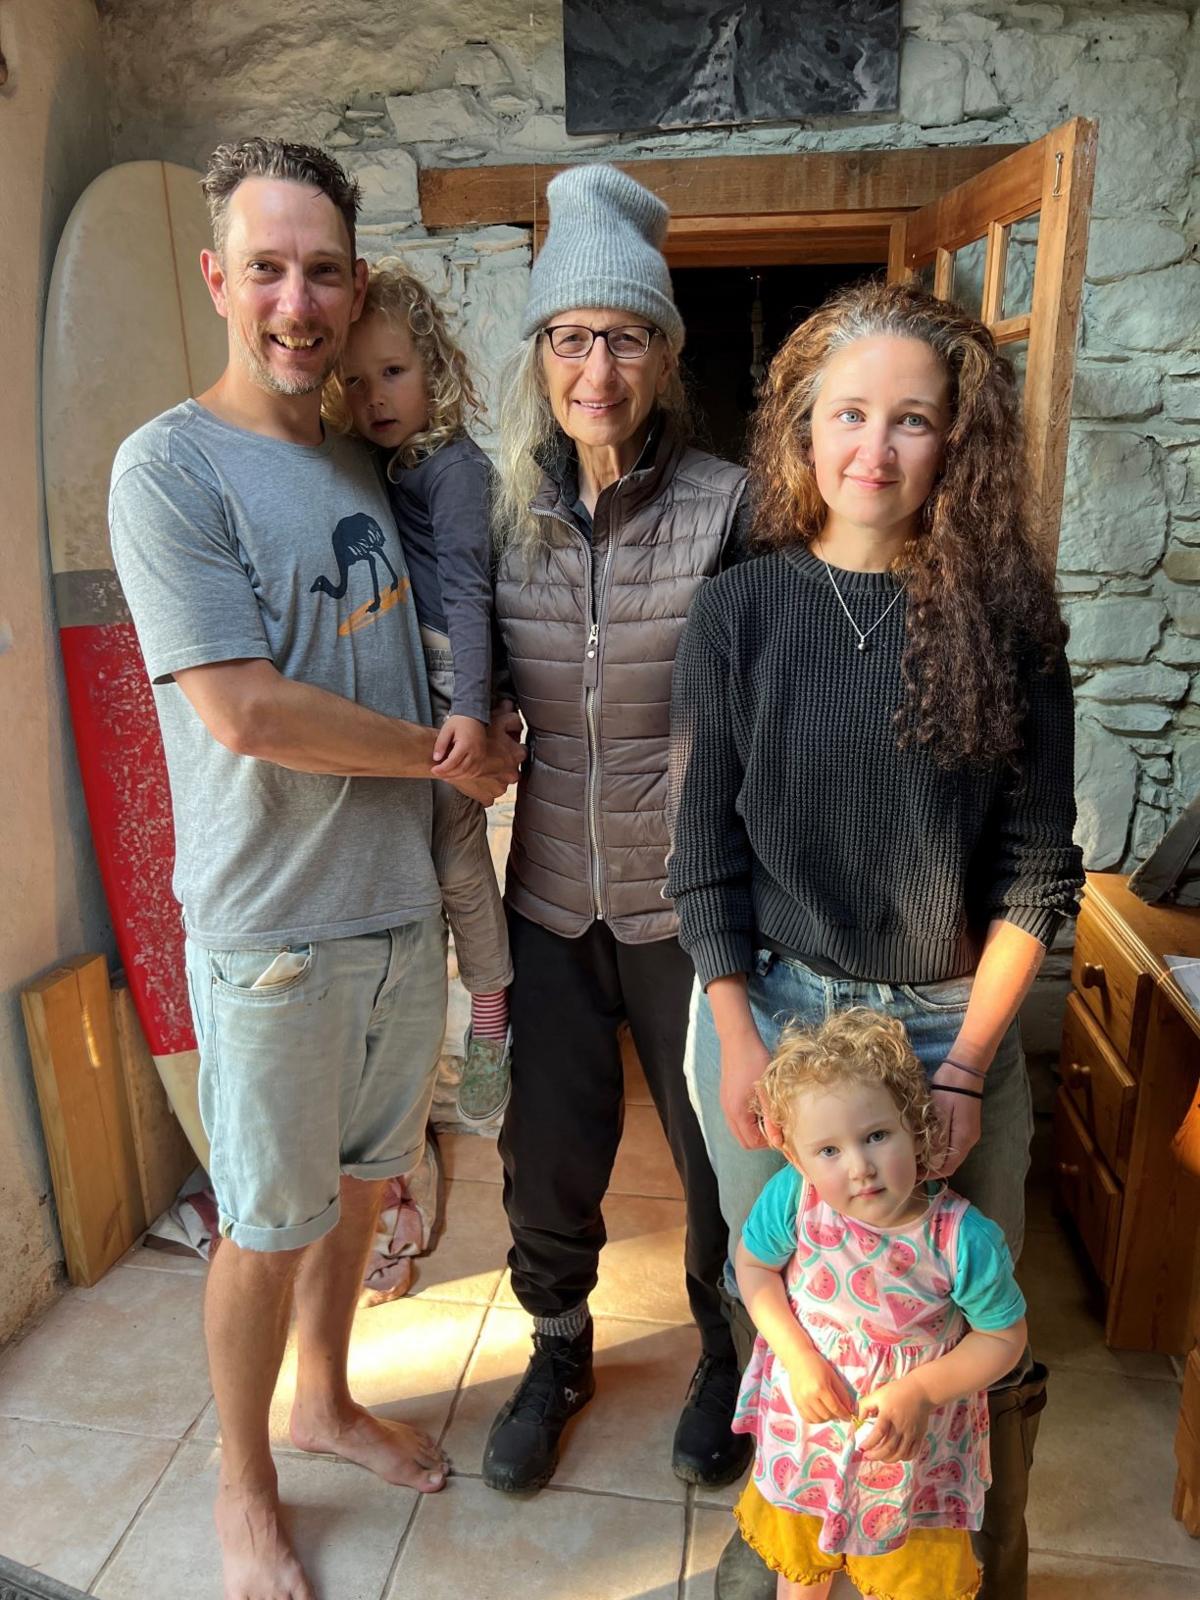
x,y
522,1447
705,1451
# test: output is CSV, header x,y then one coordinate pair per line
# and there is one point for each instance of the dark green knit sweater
x,y
797,821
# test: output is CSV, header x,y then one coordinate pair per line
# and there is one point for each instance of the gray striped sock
x,y
567,1326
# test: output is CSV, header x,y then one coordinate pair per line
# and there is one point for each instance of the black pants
x,y
564,1121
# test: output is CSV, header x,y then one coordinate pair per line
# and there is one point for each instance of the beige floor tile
x,y
471,1543
346,1525
641,1266
621,1442
472,1156
127,1354
70,1492
1077,1578
406,1360
637,1090
1122,1428
643,1164
708,1536
472,1245
1066,1325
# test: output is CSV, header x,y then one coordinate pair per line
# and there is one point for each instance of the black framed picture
x,y
635,64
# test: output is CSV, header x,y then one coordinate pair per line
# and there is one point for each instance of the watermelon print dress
x,y
876,1305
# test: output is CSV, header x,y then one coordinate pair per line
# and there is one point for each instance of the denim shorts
x,y
782,991
316,1060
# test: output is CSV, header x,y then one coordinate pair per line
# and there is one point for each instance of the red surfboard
x,y
130,331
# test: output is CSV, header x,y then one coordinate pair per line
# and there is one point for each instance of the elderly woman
x,y
608,524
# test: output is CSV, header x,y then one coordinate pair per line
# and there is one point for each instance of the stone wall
x,y
393,88
55,141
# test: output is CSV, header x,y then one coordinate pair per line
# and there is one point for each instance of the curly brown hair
x,y
857,1047
981,605
399,296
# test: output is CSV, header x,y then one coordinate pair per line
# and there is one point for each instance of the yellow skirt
x,y
932,1564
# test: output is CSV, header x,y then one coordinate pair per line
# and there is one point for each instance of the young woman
x,y
873,761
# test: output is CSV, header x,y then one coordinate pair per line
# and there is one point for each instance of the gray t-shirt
x,y
230,545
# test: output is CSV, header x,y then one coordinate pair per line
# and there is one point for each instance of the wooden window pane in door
x,y
1019,268
1051,179
967,283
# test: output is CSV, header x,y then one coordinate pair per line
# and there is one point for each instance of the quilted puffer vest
x,y
591,629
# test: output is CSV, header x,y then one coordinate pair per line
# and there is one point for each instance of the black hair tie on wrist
x,y
948,1088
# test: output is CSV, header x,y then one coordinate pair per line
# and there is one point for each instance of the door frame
x,y
811,207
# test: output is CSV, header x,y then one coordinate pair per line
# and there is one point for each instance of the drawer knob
x,y
1092,975
1068,1169
1078,1072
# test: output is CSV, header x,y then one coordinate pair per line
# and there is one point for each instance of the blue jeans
x,y
782,991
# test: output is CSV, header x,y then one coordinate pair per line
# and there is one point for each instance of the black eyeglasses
x,y
624,344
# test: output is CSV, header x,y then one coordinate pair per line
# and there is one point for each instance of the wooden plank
x,y
857,180
994,262
772,225
800,239
1011,329
898,269
68,1018
1002,193
164,1156
1068,157
943,274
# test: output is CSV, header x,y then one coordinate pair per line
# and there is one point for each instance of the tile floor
x,y
108,1440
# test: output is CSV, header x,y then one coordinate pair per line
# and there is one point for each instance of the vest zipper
x,y
591,681
591,669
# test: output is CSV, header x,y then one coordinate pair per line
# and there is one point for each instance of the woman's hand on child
x,y
901,1415
459,748
819,1391
960,1111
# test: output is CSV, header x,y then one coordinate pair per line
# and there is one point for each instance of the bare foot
x,y
257,1559
392,1450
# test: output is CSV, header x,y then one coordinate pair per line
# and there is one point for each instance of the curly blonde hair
x,y
981,605
402,300
856,1047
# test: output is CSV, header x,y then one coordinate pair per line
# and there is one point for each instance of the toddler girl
x,y
885,1306
403,385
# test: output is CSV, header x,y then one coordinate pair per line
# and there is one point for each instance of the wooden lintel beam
x,y
708,186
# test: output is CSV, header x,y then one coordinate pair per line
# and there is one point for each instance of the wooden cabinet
x,y
1130,1067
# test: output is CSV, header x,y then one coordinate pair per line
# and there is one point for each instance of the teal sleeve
x,y
985,1289
770,1231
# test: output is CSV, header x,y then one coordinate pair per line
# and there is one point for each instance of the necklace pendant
x,y
862,645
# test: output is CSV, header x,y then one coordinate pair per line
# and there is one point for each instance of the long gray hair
x,y
528,434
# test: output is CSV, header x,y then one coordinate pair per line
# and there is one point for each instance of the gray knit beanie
x,y
603,250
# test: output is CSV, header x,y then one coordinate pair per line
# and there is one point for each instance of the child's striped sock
x,y
489,1016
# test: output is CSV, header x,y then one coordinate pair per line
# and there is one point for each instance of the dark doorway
x,y
722,307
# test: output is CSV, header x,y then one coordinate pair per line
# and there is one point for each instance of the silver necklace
x,y
862,636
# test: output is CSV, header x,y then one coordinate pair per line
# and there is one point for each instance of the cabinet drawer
x,y
1086,1187
1107,980
1100,1087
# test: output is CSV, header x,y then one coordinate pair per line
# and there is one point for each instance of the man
x,y
266,580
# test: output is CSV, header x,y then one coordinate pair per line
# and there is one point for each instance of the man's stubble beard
x,y
270,380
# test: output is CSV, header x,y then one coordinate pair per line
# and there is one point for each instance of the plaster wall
x,y
53,141
394,87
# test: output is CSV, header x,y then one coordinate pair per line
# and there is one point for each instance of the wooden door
x,y
1011,243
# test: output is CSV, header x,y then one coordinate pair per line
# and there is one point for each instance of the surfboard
x,y
130,331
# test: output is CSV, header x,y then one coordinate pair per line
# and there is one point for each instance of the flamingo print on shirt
x,y
357,538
